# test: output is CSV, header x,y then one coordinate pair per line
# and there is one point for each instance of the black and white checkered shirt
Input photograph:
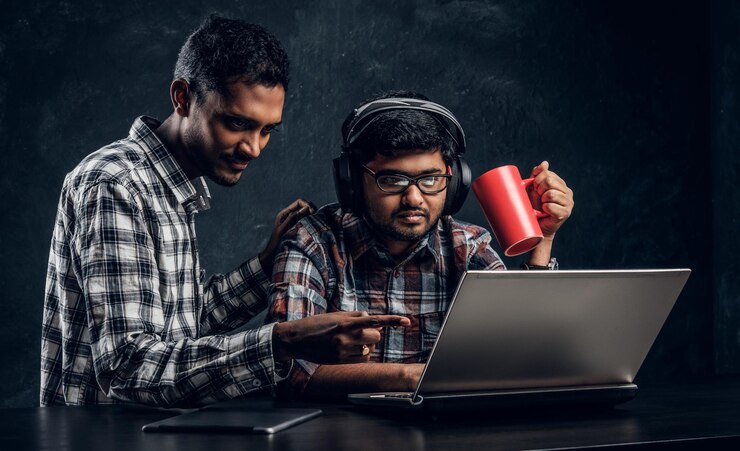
x,y
127,315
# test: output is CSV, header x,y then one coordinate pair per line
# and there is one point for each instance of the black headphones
x,y
347,177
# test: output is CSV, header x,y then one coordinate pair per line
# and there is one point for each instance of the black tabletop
x,y
685,416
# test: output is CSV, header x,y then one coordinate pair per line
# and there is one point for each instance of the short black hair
x,y
223,50
396,132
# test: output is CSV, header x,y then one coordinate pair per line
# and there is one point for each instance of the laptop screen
x,y
534,329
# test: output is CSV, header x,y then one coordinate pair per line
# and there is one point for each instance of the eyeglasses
x,y
398,183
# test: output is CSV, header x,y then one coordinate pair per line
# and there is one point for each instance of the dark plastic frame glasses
x,y
399,183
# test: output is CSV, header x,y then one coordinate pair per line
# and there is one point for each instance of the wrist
x,y
281,342
552,265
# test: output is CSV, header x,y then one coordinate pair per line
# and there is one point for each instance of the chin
x,y
225,180
411,233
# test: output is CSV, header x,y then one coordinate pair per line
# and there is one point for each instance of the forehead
x,y
255,101
417,160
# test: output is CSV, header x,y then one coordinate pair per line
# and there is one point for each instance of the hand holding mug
x,y
522,213
551,195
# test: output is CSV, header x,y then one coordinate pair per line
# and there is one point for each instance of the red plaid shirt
x,y
331,262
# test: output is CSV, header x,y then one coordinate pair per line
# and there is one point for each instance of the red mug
x,y
502,194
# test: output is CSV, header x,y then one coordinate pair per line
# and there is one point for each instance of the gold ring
x,y
365,350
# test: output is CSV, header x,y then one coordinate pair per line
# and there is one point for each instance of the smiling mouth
x,y
238,164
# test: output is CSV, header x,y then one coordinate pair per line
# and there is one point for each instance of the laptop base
x,y
577,397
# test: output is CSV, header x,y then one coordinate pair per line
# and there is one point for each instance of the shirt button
x,y
256,383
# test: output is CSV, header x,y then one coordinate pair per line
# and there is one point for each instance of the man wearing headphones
x,y
390,245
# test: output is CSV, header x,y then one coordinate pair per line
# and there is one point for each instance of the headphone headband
x,y
366,114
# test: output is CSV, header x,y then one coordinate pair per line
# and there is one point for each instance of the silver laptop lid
x,y
534,329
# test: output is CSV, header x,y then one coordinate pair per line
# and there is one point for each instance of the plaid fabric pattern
x,y
127,315
330,262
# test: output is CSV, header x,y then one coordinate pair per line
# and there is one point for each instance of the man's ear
x,y
181,96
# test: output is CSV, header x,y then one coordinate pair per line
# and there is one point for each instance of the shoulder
x,y
117,163
325,226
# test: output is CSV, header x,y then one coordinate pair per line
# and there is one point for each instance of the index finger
x,y
540,168
374,321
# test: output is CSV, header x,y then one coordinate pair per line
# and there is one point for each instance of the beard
x,y
388,228
198,153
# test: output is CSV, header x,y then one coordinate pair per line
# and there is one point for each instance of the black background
x,y
634,103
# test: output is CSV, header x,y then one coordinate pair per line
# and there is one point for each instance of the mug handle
x,y
540,214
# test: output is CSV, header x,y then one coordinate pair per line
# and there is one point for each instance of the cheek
x,y
378,205
218,137
437,203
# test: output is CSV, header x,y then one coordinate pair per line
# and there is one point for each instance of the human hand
x,y
550,194
336,337
284,220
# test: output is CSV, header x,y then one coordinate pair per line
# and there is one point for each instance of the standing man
x,y
391,245
128,316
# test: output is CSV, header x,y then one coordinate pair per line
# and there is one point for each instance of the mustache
x,y
411,211
238,158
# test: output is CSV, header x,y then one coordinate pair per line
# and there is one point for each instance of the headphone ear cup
x,y
343,181
459,186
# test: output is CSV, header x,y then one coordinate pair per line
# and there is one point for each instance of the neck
x,y
170,133
398,248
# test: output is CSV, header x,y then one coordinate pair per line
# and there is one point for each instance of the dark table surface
x,y
703,414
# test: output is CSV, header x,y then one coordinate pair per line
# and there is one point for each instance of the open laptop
x,y
526,338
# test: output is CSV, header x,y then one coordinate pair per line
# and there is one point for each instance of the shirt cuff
x,y
254,368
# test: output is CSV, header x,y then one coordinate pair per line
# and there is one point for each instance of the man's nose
x,y
251,144
412,196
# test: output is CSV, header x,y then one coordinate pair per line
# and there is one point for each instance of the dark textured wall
x,y
614,94
726,170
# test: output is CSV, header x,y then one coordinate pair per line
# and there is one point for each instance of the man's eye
x,y
391,180
237,123
269,129
429,181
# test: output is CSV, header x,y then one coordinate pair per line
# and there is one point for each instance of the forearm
x,y
336,381
187,372
541,254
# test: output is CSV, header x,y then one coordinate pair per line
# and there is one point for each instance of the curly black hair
x,y
223,50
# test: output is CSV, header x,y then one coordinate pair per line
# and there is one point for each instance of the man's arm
x,y
549,194
336,381
301,277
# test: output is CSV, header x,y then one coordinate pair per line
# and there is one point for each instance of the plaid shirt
x,y
330,261
127,316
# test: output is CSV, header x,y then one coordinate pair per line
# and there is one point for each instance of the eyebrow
x,y
429,171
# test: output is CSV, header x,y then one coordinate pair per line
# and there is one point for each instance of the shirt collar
x,y
191,194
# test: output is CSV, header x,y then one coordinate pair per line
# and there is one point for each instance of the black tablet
x,y
243,421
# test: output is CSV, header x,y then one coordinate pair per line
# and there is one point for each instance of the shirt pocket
x,y
429,325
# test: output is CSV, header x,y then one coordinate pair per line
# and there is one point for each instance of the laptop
x,y
540,338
